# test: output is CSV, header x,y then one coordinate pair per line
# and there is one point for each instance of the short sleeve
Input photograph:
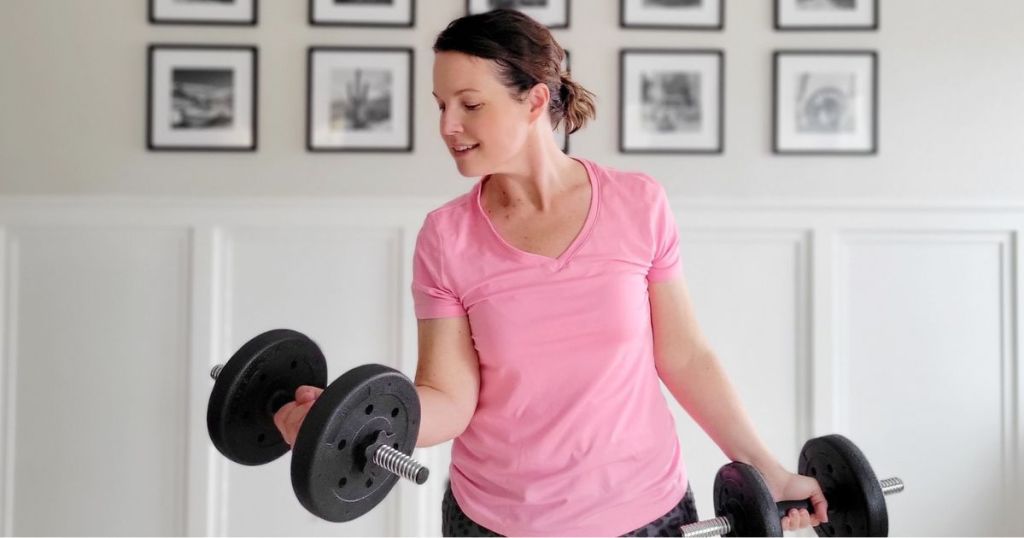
x,y
432,297
665,263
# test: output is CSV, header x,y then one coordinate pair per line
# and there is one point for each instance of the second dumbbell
x,y
745,506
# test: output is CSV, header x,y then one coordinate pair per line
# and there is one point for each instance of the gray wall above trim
x,y
72,100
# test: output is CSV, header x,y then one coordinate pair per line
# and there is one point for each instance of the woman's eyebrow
x,y
460,91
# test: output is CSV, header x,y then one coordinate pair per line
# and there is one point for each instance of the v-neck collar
x,y
562,260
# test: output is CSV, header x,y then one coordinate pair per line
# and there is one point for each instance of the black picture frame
x,y
625,24
787,147
567,65
155,18
314,20
315,142
783,26
567,12
713,139
160,139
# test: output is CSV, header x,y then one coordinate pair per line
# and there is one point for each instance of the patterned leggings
x,y
455,523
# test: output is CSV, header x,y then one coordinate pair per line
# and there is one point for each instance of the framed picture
x,y
671,101
201,97
380,13
359,99
672,14
229,12
826,14
826,102
551,13
561,133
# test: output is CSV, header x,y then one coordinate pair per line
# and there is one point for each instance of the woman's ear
x,y
539,98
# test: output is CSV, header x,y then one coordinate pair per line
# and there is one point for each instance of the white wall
x,y
949,79
897,327
893,319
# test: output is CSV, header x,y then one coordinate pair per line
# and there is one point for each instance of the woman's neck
x,y
543,174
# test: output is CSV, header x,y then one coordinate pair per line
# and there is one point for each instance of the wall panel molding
x,y
95,378
8,374
205,482
800,241
1016,375
964,242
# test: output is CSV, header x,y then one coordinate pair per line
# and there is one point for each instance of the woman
x,y
551,304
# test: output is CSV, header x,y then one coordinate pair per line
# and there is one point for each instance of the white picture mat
x,y
792,15
554,14
705,15
240,134
790,66
240,10
398,12
324,63
708,64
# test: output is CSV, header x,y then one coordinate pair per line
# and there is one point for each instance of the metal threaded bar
x,y
891,485
400,464
216,371
709,527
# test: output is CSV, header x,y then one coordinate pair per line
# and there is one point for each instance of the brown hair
x,y
527,54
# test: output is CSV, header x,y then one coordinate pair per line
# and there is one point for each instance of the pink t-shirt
x,y
571,434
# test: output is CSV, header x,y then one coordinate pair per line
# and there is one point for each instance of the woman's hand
x,y
786,486
289,418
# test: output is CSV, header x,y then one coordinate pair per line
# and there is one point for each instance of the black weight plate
x,y
855,499
742,494
330,474
258,379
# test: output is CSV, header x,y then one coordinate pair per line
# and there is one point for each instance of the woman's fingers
x,y
281,420
289,419
798,519
307,393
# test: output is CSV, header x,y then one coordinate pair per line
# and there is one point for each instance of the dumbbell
x,y
856,498
352,446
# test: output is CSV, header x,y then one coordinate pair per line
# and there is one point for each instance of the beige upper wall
x,y
951,105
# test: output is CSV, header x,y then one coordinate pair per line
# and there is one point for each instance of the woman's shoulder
x,y
452,212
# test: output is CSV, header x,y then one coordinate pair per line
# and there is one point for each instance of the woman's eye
x,y
468,107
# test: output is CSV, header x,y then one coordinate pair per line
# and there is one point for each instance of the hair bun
x,y
565,91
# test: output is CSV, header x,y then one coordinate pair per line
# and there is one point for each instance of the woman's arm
x,y
447,379
697,380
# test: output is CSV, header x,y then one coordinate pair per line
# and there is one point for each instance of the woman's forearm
x,y
704,390
441,419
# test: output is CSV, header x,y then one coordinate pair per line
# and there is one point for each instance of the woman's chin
x,y
469,170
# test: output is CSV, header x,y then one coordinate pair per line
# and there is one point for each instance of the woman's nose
x,y
450,124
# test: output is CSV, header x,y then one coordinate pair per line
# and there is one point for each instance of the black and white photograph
x,y
208,12
201,97
561,133
551,13
359,99
672,14
671,101
368,13
826,15
825,102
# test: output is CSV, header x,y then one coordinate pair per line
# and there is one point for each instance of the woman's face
x,y
483,126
